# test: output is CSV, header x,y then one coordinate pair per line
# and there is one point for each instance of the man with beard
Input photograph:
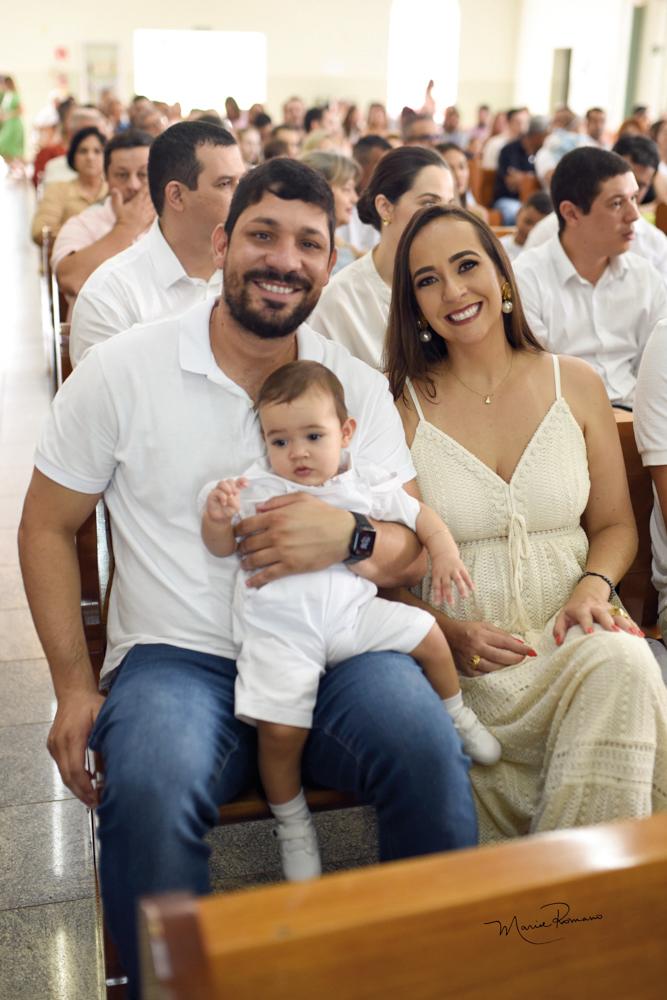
x,y
146,419
193,170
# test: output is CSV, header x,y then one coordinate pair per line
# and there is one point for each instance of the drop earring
x,y
506,292
423,330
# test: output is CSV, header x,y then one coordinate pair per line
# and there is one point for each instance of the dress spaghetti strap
x,y
554,358
415,400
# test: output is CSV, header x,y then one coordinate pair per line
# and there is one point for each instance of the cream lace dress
x,y
583,726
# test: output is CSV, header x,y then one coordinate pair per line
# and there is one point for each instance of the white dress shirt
x,y
649,242
146,418
606,324
353,310
145,282
650,424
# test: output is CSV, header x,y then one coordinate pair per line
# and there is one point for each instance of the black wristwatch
x,y
363,539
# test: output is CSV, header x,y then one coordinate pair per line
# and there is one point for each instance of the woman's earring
x,y
423,330
506,292
385,222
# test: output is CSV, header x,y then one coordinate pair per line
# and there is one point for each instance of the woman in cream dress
x,y
518,451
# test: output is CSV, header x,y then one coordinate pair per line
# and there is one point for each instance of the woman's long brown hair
x,y
405,355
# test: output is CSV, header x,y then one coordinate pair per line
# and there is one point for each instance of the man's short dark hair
x,y
129,139
514,111
173,156
287,179
579,175
595,111
638,148
262,119
312,117
362,148
541,202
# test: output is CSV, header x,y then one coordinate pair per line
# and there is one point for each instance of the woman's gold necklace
x,y
486,397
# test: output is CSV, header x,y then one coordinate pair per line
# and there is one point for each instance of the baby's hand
x,y
224,501
448,569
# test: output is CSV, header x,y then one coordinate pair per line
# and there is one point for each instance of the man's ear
x,y
219,243
348,430
570,212
332,262
173,196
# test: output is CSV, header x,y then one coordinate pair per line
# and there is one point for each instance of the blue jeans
x,y
174,752
509,209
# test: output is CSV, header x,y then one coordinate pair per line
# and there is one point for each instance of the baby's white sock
x,y
454,704
294,811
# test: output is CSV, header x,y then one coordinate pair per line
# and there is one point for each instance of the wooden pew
x,y
486,185
528,185
461,926
661,216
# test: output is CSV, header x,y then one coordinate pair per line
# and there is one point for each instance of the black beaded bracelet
x,y
612,588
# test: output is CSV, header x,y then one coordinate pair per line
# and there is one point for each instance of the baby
x,y
291,629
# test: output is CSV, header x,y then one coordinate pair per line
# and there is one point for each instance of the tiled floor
x,y
48,935
49,948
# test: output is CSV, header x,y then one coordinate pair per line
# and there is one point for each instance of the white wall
x,y
322,48
597,31
316,49
489,37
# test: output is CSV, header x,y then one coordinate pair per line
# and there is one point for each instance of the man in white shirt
x,y
101,231
650,424
193,171
166,408
649,242
582,293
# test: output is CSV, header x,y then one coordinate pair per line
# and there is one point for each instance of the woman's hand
x,y
586,610
480,648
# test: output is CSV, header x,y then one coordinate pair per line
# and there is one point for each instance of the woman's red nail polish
x,y
532,652
559,640
589,631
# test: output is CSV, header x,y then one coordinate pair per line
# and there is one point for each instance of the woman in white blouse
x,y
354,307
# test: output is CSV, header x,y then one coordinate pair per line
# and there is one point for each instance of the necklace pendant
x,y
487,400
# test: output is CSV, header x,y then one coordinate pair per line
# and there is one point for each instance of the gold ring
x,y
618,612
475,660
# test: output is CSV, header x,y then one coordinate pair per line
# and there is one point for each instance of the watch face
x,y
364,541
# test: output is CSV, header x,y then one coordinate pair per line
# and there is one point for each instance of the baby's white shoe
x,y
477,741
299,851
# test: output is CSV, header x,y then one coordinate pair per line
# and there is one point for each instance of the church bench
x,y
565,914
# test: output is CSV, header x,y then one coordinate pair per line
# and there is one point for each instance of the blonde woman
x,y
342,175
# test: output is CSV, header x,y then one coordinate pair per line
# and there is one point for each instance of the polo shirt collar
x,y
565,269
168,268
194,345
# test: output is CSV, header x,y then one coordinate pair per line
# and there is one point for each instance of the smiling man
x,y
167,408
193,171
582,292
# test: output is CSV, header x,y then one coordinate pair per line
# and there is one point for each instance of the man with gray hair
x,y
516,160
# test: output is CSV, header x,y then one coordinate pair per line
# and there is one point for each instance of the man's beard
x,y
272,321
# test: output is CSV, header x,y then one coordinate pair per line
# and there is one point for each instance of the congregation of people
x,y
484,302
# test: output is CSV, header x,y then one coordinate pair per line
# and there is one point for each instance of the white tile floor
x,y
48,935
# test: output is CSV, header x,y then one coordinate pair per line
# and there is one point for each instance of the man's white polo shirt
x,y
650,423
606,324
147,419
649,242
143,283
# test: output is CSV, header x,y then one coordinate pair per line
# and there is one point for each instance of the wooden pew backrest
x,y
568,914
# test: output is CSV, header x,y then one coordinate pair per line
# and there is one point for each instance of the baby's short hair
x,y
293,380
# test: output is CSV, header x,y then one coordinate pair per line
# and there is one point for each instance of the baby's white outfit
x,y
291,629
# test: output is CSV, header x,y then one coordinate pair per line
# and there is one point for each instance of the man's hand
x,y
291,534
68,739
224,500
135,215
